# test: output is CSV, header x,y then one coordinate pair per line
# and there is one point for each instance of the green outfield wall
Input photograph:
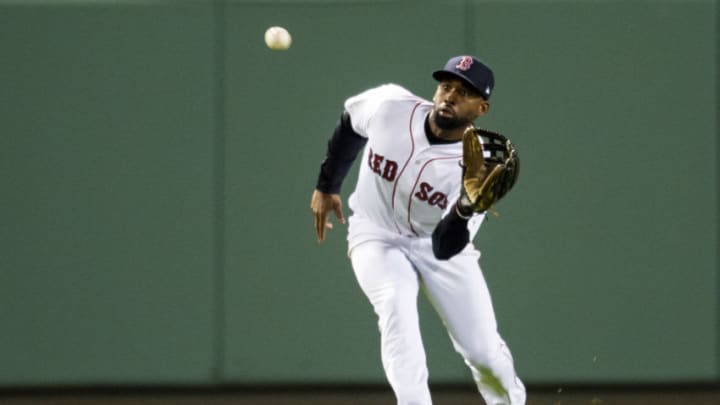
x,y
157,161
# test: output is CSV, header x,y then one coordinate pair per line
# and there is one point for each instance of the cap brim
x,y
441,75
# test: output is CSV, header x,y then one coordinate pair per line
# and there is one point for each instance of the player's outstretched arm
x,y
343,147
484,182
321,205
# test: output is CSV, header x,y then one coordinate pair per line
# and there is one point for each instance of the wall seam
x,y
716,6
218,372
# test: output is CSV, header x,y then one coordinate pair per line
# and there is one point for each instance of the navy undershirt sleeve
x,y
342,149
450,236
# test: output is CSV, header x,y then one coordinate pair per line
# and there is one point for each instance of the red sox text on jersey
x,y
387,169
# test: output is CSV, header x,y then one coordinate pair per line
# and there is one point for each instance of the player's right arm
x,y
343,147
322,204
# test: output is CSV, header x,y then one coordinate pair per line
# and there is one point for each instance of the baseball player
x,y
426,180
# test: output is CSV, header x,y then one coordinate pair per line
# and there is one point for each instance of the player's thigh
x,y
384,271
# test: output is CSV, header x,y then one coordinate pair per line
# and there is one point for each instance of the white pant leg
x,y
391,284
459,293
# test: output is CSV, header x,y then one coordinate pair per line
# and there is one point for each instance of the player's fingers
x,y
320,223
339,214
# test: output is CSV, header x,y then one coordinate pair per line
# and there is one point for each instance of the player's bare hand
x,y
321,205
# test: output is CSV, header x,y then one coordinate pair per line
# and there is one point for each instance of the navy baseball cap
x,y
471,70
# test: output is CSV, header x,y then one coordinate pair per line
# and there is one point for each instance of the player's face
x,y
457,105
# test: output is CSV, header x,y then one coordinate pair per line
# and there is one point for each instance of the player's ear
x,y
483,108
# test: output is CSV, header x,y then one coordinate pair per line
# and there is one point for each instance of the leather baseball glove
x,y
490,169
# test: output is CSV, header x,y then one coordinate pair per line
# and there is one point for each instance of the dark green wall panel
x,y
106,206
606,256
157,161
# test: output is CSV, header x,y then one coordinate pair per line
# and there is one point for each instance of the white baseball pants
x,y
390,274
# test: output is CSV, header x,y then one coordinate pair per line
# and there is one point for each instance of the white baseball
x,y
278,38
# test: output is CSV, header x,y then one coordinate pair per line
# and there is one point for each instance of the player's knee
x,y
482,355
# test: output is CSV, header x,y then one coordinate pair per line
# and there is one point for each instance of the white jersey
x,y
405,184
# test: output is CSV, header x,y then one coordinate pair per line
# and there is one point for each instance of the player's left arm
x,y
484,182
450,235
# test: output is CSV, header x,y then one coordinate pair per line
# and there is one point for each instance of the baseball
x,y
278,38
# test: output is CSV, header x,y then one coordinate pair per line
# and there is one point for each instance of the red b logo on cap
x,y
464,63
